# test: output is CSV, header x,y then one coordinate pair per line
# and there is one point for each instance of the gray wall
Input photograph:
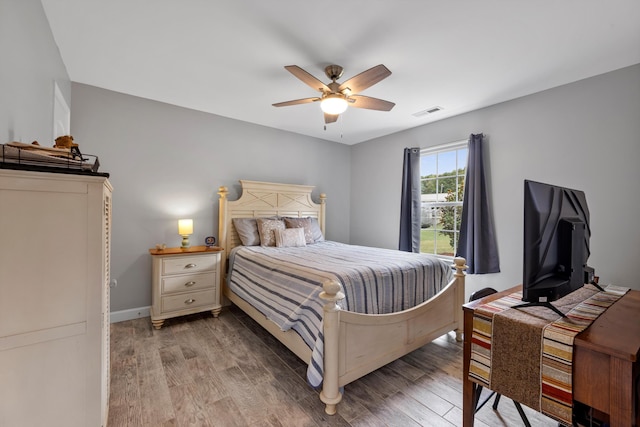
x,y
29,64
167,162
585,135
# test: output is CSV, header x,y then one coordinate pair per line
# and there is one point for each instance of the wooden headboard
x,y
265,199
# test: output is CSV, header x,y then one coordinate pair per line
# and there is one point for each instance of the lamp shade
x,y
333,104
185,227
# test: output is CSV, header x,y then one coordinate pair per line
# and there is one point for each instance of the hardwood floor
x,y
201,371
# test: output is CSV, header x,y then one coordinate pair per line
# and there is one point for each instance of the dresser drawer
x,y
189,282
189,264
188,301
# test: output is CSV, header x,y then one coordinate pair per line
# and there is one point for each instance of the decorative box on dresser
x,y
184,281
55,233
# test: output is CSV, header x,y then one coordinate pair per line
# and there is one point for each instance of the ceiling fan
x,y
337,96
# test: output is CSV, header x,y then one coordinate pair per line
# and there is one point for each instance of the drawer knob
x,y
189,284
189,301
190,265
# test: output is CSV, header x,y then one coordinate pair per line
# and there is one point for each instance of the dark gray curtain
x,y
410,203
477,241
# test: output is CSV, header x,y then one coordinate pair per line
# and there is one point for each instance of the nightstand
x,y
184,281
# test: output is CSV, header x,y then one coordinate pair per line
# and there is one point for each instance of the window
x,y
442,172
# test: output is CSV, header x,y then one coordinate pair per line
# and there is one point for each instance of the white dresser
x,y
55,232
185,281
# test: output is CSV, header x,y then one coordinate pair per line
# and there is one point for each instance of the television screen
x,y
556,241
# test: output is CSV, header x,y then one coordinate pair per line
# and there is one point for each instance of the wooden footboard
x,y
356,344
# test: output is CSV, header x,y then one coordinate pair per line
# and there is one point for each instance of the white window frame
x,y
443,148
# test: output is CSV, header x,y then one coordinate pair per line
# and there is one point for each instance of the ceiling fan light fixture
x,y
333,104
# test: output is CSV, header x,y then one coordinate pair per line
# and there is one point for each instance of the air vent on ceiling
x,y
427,111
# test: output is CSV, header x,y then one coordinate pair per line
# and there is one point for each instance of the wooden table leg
x,y
468,402
621,394
468,387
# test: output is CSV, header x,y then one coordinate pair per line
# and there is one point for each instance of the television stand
x,y
595,283
541,304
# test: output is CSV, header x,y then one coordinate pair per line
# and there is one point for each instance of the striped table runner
x,y
553,393
480,363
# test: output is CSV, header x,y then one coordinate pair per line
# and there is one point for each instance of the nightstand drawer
x,y
188,301
188,264
190,282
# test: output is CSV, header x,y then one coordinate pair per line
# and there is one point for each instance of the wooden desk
x,y
606,367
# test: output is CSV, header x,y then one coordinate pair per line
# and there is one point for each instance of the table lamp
x,y
185,229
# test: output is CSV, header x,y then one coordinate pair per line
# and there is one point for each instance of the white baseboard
x,y
133,313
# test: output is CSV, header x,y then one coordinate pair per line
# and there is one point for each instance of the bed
x,y
351,344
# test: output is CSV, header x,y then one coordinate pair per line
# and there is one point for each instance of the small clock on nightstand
x,y
184,281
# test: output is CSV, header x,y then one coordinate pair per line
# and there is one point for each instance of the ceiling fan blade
x,y
360,101
365,79
307,78
330,118
296,102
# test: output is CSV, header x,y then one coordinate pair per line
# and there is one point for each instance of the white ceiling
x,y
227,57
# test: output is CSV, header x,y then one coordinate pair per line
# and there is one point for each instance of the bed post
x,y
323,201
222,228
330,394
460,265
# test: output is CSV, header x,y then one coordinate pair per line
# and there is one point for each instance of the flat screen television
x,y
556,242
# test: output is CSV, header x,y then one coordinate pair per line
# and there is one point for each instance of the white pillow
x,y
290,237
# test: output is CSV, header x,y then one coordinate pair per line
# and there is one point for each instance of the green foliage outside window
x,y
451,216
428,183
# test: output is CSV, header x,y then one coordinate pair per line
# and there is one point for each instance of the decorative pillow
x,y
315,231
266,228
290,237
304,223
312,232
247,229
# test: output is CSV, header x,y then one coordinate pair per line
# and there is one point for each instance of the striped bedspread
x,y
284,284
